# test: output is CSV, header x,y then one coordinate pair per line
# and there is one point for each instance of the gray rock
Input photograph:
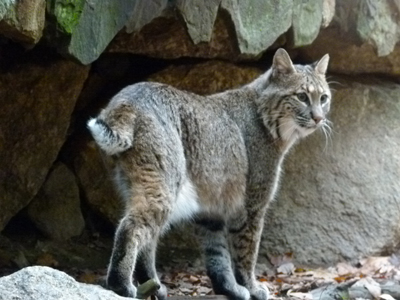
x,y
199,17
340,201
144,11
55,210
87,27
378,24
37,102
258,24
45,283
307,20
349,56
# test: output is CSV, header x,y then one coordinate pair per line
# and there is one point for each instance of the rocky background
x,y
62,60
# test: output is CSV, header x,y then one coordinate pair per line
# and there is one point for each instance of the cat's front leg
x,y
245,240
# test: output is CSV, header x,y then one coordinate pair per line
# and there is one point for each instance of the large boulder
x,y
206,78
339,197
37,102
167,37
56,210
361,39
95,177
49,284
227,29
349,55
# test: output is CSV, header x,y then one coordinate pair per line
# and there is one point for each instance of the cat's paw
x,y
242,292
122,289
162,292
259,292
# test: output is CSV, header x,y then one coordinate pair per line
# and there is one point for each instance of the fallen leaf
x,y
346,269
46,260
304,296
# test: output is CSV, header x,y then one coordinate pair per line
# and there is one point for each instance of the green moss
x,y
67,13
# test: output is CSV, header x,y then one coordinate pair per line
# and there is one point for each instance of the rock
x,y
49,284
37,102
22,21
258,24
96,181
166,37
227,29
307,20
145,11
199,17
55,210
378,24
85,28
347,56
340,201
206,78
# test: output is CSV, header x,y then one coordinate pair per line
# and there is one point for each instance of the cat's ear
x,y
321,66
282,64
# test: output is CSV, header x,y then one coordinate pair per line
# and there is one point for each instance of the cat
x,y
212,160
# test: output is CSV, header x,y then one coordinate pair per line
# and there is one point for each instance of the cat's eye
x,y
302,97
324,98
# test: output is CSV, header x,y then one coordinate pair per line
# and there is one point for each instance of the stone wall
x,y
61,60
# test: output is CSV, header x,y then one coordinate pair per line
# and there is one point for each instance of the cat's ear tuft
x,y
282,64
321,66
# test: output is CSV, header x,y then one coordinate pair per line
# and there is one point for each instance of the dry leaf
x,y
47,260
345,269
303,296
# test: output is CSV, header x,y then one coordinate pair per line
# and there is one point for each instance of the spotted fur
x,y
213,160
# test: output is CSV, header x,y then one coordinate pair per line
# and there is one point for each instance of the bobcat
x,y
212,160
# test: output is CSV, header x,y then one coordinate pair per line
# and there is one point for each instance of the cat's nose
x,y
317,119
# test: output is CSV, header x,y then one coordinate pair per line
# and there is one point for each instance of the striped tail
x,y
109,140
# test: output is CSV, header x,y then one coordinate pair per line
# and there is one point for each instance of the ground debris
x,y
370,278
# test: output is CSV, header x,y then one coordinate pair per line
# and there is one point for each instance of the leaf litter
x,y
370,278
367,279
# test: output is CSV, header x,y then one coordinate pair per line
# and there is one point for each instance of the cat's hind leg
x,y
146,269
148,205
218,260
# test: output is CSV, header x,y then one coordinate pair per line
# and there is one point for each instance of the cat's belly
x,y
187,203
223,200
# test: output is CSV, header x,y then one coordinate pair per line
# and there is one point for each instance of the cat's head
x,y
297,98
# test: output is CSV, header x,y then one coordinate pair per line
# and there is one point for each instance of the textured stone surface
x,y
96,181
55,210
168,38
341,202
378,24
206,78
228,29
144,11
259,23
37,102
49,284
199,17
22,21
348,56
307,20
85,28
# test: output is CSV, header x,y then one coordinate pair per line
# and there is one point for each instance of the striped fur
x,y
213,160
